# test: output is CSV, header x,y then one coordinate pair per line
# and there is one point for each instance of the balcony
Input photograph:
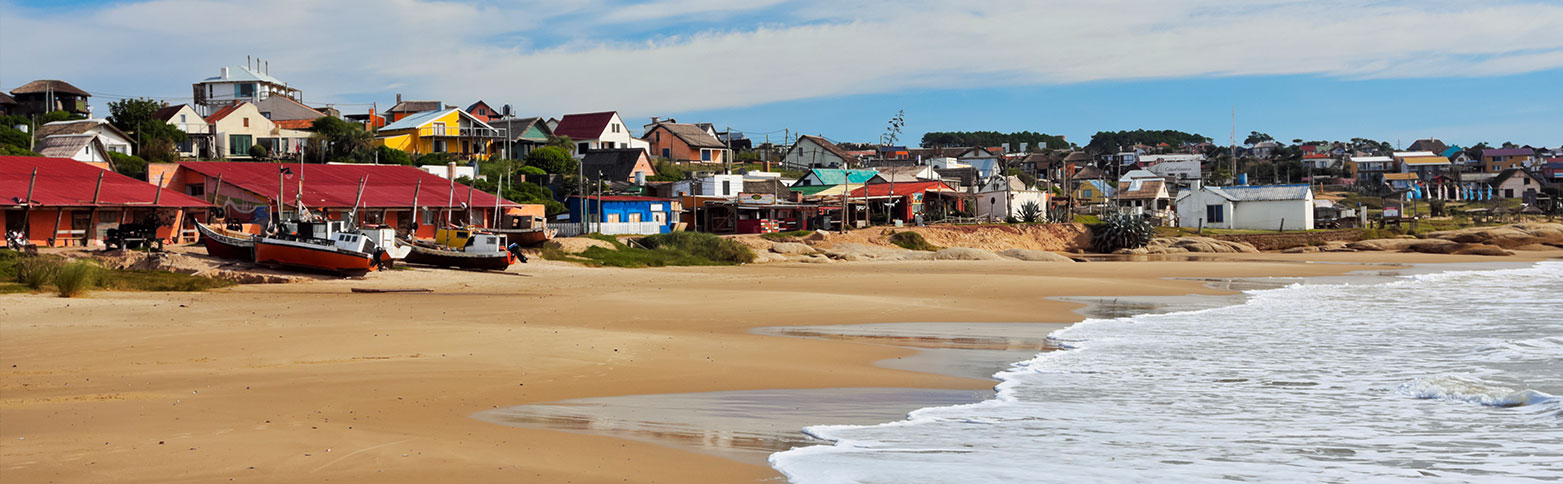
x,y
436,131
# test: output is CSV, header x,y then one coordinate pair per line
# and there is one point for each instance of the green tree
x,y
562,142
1107,142
131,166
936,139
343,139
386,155
260,153
1255,137
553,159
666,171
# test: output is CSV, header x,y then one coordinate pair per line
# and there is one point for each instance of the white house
x,y
112,138
239,84
815,152
1250,207
725,186
597,131
80,147
946,163
184,117
1003,198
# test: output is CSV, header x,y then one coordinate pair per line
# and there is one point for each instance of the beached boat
x,y
523,230
321,246
463,248
227,244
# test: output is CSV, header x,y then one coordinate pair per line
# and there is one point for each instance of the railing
x,y
459,132
609,228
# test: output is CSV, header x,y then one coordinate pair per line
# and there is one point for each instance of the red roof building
x,y
69,202
389,195
909,197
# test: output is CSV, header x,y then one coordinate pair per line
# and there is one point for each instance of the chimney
x,y
398,98
224,73
655,119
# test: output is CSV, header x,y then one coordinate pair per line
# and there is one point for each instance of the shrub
x,y
701,244
35,272
912,241
77,277
1121,231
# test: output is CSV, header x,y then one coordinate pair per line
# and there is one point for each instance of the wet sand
x,y
309,382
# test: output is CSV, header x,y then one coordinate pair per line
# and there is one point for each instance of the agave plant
x,y
1030,212
1121,231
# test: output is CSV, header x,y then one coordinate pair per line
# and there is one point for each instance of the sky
x,y
1391,70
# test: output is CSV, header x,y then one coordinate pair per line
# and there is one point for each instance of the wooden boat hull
x,y
311,256
450,258
226,244
527,237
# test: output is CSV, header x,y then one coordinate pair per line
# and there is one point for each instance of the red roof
x,y
584,126
221,113
336,186
63,182
883,189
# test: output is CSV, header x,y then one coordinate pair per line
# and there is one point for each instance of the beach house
x,y
238,127
1092,192
449,130
620,215
58,202
46,96
1497,160
1252,207
617,165
685,143
597,131
198,135
816,152
1518,183
109,136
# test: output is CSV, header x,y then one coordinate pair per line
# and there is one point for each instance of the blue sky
x,y
1325,69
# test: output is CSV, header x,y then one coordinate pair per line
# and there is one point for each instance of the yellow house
x,y
446,131
1093,192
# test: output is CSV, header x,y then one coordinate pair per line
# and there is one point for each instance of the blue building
x,y
619,214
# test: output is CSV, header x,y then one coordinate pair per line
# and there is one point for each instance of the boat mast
x,y
357,199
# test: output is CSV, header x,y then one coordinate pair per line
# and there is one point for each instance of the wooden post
x,y
27,209
216,189
92,218
1201,226
56,233
1282,228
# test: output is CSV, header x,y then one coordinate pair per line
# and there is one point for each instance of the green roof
x,y
837,176
812,189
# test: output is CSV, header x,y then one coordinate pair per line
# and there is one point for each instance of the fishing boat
x,y
321,246
227,244
464,249
524,230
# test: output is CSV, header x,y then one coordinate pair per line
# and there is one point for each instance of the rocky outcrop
x,y
791,248
1507,236
1034,255
1184,245
965,253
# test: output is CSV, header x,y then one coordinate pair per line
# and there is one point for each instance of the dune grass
x,y
912,241
71,279
661,250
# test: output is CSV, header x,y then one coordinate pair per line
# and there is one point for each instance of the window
x,y
666,153
635,218
583,147
615,127
1213,214
1085,193
439,129
195,189
439,146
243,90
181,119
1508,193
466,146
611,218
239,144
727,187
705,155
246,122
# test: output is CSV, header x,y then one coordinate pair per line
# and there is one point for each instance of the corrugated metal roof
x,y
1426,160
417,120
1264,192
242,73
1400,176
584,126
65,182
885,189
830,176
1509,152
386,186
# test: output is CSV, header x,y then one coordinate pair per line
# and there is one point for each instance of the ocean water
x,y
1448,377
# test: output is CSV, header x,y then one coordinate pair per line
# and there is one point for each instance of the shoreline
x,y
362,380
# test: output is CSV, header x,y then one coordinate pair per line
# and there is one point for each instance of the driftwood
x,y
383,291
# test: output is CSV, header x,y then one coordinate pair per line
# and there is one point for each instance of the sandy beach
x,y
309,382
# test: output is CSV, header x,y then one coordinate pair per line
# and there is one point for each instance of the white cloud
x,y
461,52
